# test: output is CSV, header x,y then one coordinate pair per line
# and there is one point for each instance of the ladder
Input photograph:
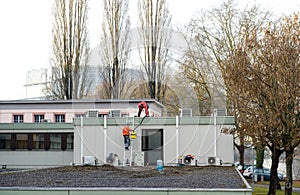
x,y
127,156
130,121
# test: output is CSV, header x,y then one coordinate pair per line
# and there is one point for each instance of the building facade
x,y
35,134
161,138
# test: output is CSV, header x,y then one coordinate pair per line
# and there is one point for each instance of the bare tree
x,y
70,51
275,74
263,74
194,72
154,20
215,35
115,49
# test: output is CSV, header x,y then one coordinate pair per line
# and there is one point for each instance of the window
x,y
59,118
18,118
55,141
38,141
70,141
5,141
22,141
38,118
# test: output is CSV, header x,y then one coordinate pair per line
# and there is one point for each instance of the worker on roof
x,y
188,158
126,134
143,105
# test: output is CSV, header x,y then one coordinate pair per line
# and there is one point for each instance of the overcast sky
x,y
25,35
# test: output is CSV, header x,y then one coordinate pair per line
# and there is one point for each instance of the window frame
x,y
41,120
18,115
60,115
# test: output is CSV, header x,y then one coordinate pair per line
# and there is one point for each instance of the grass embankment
x,y
260,191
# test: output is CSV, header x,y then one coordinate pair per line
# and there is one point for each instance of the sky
x,y
25,35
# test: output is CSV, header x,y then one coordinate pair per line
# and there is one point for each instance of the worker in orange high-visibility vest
x,y
143,105
126,134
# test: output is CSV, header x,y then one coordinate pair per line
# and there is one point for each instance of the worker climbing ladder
x,y
128,154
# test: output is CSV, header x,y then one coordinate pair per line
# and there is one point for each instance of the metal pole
x,y
253,176
105,138
215,137
177,137
81,139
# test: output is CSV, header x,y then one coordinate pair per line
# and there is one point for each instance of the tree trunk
x,y
289,172
241,149
273,186
260,154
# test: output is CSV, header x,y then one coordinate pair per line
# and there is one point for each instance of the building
x,y
54,133
158,138
36,81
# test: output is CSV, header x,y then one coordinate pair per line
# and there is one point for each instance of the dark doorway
x,y
152,145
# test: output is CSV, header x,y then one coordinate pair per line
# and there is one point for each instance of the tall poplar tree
x,y
70,51
115,49
155,20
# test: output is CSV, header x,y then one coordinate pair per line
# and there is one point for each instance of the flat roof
x,y
194,120
106,177
87,101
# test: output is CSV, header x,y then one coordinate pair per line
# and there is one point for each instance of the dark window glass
x,y
18,119
22,141
70,141
55,141
38,118
59,118
5,141
38,141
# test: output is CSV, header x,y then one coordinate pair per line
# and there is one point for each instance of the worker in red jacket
x,y
143,105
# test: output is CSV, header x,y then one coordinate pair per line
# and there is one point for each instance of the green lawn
x,y
296,184
260,191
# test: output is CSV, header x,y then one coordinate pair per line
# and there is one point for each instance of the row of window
x,y
36,141
39,118
58,118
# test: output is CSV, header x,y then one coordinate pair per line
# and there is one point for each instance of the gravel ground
x,y
131,177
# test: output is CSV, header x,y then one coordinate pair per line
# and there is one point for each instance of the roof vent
x,y
115,113
221,112
92,113
185,112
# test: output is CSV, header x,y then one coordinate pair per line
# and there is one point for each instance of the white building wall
x,y
193,139
35,159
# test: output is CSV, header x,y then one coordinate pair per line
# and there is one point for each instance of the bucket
x,y
159,165
180,159
133,135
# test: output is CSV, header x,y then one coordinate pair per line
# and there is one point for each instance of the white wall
x,y
193,139
35,159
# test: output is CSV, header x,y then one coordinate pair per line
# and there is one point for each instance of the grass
x,y
260,191
296,184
